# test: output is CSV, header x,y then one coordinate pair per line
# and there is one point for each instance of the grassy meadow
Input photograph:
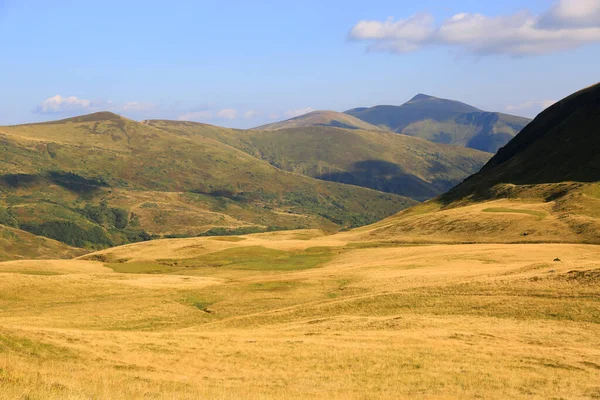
x,y
299,315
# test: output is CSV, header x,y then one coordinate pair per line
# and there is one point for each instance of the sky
x,y
245,63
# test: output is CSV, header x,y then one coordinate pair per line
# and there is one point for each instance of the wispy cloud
x,y
59,104
72,105
251,114
530,107
196,116
566,24
530,104
299,111
228,113
137,106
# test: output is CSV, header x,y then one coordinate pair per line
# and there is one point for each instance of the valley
x,y
297,315
489,290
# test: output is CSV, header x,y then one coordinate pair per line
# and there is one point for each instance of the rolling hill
x,y
384,161
543,186
101,180
321,118
445,121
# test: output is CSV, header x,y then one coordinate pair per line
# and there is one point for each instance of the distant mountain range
x,y
427,117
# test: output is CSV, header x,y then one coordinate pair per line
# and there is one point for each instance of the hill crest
x,y
320,118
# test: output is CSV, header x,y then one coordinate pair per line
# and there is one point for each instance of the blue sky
x,y
241,64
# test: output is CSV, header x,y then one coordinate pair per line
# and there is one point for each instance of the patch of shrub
x,y
105,216
244,230
7,218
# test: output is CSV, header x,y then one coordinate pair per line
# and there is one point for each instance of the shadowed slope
x,y
561,144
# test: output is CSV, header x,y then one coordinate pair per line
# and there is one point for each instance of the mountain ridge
x,y
444,121
320,118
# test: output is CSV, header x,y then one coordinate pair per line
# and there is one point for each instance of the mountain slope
x,y
18,244
561,144
102,180
321,118
384,161
542,186
445,121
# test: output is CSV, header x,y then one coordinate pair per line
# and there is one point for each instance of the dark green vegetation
x,y
384,161
101,180
445,121
561,145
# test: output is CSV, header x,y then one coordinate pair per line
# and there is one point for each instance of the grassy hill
x,y
542,186
445,121
321,118
101,180
384,161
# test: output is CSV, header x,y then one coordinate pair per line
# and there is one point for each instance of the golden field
x,y
303,315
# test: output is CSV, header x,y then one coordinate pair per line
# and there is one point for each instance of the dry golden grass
x,y
365,320
526,214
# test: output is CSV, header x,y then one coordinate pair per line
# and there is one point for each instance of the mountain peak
x,y
422,96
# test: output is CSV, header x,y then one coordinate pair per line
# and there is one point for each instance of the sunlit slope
x,y
445,121
384,161
102,180
321,118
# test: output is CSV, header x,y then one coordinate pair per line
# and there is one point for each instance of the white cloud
x,y
196,116
137,106
567,24
298,112
273,116
228,113
59,104
572,13
251,114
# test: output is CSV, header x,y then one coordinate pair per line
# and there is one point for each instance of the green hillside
x,y
384,161
445,121
321,118
102,180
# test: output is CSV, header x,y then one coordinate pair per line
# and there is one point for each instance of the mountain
x,y
542,186
321,118
445,121
101,180
384,161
